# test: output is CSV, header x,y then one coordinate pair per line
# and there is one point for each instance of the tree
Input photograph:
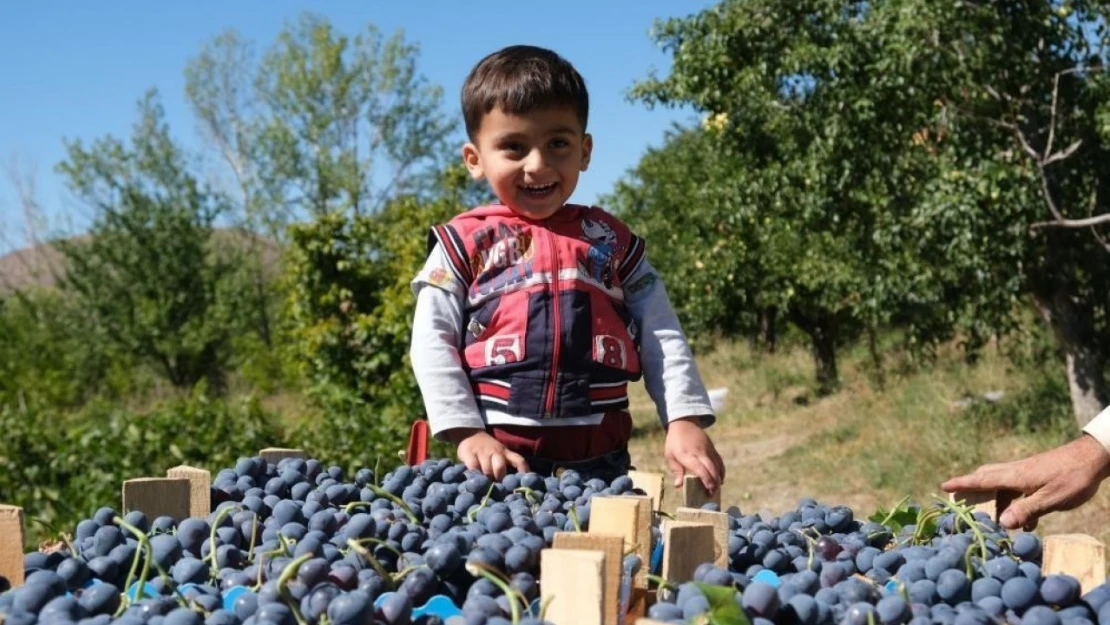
x,y
320,124
350,307
882,153
323,122
1031,108
796,98
146,273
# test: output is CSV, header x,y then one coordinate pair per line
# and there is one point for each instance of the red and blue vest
x,y
547,334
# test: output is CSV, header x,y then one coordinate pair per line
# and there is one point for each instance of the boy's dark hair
x,y
520,79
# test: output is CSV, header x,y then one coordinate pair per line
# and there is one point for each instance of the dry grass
x,y
862,446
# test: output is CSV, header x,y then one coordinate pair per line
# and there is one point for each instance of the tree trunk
x,y
822,330
767,321
823,337
1072,327
876,357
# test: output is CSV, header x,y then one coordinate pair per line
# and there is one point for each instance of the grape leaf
x,y
901,515
723,608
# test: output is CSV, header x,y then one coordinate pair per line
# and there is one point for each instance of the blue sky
x,y
76,69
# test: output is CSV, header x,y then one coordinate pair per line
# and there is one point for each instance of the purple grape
x,y
1027,546
1019,593
1040,615
1059,591
953,587
761,599
893,610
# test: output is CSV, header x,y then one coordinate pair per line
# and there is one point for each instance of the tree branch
x,y
1088,222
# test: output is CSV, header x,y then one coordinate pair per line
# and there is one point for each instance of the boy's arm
x,y
436,337
673,382
670,373
448,398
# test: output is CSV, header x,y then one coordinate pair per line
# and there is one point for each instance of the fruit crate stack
x,y
281,539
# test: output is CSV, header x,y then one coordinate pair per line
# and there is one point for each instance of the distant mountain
x,y
42,264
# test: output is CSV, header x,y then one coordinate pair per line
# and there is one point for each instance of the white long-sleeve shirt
x,y
1099,428
670,373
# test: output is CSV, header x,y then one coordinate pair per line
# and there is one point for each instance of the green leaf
x,y
723,609
901,515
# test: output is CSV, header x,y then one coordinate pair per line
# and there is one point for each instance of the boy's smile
x,y
531,161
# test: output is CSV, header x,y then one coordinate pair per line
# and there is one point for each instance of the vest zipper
x,y
549,407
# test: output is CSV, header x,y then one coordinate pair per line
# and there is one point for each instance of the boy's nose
x,y
534,162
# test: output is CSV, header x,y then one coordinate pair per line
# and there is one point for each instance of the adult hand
x,y
1058,479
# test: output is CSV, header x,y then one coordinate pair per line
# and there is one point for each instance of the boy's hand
x,y
689,449
482,452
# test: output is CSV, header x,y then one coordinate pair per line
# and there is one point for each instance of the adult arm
x,y
1058,479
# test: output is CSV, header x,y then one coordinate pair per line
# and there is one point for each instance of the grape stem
x,y
254,536
963,512
144,547
381,492
287,574
220,516
485,500
369,557
572,513
477,569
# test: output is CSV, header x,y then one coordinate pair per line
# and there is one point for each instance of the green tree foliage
x,y
323,122
320,125
51,355
887,183
1025,165
61,465
146,275
350,306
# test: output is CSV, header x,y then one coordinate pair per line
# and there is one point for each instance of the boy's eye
x,y
513,147
559,143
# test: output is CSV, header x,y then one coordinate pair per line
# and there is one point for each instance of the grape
x,y
854,590
64,608
397,609
800,610
761,599
889,561
911,571
1027,546
985,587
695,606
519,559
1019,593
924,591
351,608
1002,568
665,612
860,613
1040,615
953,587
419,586
1031,570
832,574
1059,590
827,596
183,616
893,610
992,605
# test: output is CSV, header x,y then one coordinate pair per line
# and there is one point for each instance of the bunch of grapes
x,y
818,565
298,543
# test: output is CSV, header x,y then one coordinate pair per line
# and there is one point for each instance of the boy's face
x,y
531,161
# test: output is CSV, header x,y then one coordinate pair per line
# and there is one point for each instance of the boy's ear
x,y
587,149
472,160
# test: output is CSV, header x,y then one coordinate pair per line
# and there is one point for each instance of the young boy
x,y
541,312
